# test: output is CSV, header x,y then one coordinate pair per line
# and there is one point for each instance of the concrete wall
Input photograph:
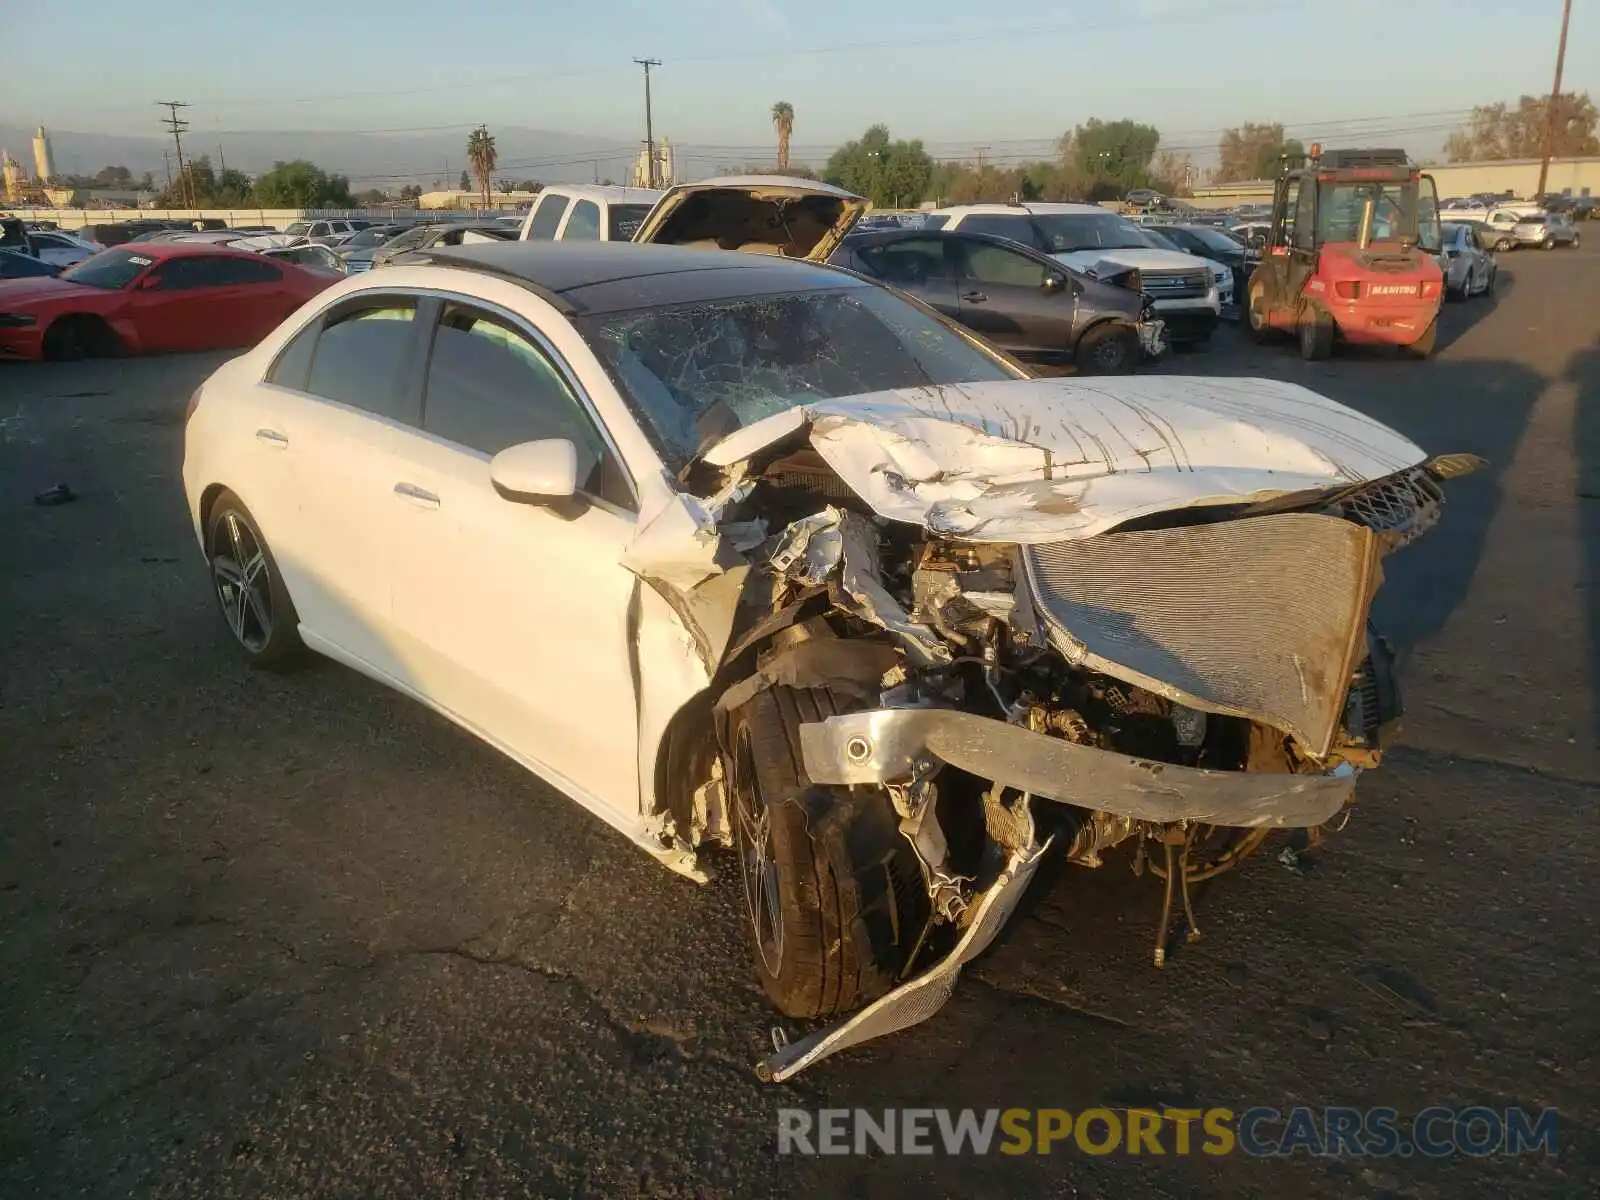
x,y
1519,176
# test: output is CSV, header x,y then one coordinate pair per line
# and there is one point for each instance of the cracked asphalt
x,y
293,936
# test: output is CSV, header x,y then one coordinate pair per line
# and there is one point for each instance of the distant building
x,y
666,170
12,177
44,167
472,201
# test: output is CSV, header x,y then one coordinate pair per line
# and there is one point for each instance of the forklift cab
x,y
1371,201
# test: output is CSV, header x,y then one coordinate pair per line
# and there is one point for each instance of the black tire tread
x,y
285,646
854,880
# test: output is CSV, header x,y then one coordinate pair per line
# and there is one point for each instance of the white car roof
x,y
608,193
1041,209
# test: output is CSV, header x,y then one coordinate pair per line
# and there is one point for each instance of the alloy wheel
x,y
758,865
242,577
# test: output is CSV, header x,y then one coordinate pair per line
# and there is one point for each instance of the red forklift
x,y
1350,255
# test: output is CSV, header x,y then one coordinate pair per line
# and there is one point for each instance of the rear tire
x,y
1108,350
834,897
1423,346
1315,329
1505,244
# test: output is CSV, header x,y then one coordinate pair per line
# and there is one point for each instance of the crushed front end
x,y
1020,656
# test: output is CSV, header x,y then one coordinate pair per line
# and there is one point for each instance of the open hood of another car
x,y
759,214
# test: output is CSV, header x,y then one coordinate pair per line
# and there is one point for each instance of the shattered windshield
x,y
750,357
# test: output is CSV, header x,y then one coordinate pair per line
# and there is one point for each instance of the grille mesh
x,y
1261,618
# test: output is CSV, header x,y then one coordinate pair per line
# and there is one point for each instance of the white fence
x,y
278,218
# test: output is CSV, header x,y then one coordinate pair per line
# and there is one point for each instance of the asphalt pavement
x,y
294,936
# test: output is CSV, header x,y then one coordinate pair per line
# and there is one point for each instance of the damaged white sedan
x,y
740,551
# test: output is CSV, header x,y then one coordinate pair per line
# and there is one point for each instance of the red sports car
x,y
149,297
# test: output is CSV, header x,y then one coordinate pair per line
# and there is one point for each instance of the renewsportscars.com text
x,y
1262,1132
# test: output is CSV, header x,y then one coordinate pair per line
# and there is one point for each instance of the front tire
x,y
1108,350
1256,315
834,899
248,586
1315,329
1505,244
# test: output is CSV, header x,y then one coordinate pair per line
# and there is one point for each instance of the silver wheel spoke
x,y
259,610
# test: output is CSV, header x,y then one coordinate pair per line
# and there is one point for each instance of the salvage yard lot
x,y
295,936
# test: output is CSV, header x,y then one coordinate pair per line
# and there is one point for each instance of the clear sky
x,y
956,73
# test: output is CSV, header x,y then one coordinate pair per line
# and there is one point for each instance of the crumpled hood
x,y
1045,460
1088,261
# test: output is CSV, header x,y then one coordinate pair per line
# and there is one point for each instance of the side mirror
x,y
536,472
1054,283
148,283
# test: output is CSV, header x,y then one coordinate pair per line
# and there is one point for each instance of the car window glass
x,y
1304,218
360,358
908,262
584,223
1017,228
547,217
245,270
490,387
186,274
997,265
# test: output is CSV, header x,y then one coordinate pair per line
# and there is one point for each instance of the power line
x,y
649,128
178,125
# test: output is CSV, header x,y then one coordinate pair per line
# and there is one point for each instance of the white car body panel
x,y
1097,263
1056,459
348,549
475,604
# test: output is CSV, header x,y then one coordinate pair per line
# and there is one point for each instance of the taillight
x,y
194,403
1347,289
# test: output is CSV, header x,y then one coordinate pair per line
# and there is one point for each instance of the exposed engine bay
x,y
1180,683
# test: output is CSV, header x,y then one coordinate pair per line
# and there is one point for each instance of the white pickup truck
x,y
587,212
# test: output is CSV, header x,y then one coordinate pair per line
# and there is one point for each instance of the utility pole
x,y
649,127
982,150
222,164
166,157
178,125
1555,93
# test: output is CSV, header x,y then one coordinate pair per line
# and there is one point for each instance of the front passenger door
x,y
513,616
1005,298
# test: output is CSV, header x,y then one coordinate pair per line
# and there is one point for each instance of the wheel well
x,y
85,320
207,499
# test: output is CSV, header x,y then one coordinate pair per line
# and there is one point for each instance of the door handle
x,y
419,496
271,437
974,297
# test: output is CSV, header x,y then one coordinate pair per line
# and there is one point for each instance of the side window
x,y
547,218
489,387
247,270
185,274
908,262
1301,233
320,229
1016,229
1283,215
409,240
584,223
360,358
997,265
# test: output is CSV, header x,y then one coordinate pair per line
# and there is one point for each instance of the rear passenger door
x,y
514,614
348,392
921,266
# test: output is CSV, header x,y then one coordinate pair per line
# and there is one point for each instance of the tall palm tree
x,y
481,154
783,122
